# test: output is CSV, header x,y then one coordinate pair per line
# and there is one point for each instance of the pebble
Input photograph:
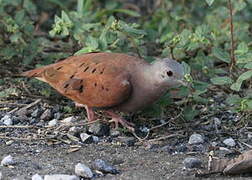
x,y
7,120
37,177
217,121
196,139
95,139
1,175
53,122
57,115
86,138
83,171
61,177
192,162
8,160
99,129
103,166
36,113
114,133
128,141
69,120
229,142
47,115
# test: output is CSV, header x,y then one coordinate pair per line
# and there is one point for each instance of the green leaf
x,y
245,76
248,65
80,7
221,80
233,99
221,55
190,113
209,2
242,48
236,86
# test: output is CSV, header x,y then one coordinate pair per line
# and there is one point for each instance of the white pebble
x,y
83,171
69,120
229,142
1,176
196,139
8,160
37,177
52,123
7,120
61,177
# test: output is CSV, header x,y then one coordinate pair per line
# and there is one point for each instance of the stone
x,y
7,120
128,141
114,133
104,167
69,120
99,129
83,171
196,139
52,123
36,113
61,177
192,162
8,160
229,142
86,138
47,115
37,177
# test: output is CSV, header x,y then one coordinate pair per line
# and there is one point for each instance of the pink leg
x,y
117,119
90,112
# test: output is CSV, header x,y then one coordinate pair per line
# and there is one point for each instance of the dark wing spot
x,y
71,77
95,84
102,87
86,69
82,64
169,73
101,72
94,70
66,85
59,68
81,89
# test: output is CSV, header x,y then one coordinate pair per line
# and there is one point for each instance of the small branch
x,y
233,61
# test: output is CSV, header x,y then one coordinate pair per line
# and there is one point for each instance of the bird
x,y
111,82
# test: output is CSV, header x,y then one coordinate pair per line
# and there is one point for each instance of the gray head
x,y
168,72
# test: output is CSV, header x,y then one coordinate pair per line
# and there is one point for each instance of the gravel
x,y
192,162
61,177
104,167
229,142
83,171
196,139
7,160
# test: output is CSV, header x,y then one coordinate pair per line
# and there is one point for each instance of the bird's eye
x,y
169,73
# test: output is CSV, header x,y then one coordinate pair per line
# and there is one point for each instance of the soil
x,y
48,150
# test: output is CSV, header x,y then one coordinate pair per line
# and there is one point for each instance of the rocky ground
x,y
40,139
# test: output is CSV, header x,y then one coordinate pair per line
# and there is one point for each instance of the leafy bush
x,y
197,33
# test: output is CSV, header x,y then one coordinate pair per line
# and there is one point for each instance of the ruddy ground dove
x,y
110,82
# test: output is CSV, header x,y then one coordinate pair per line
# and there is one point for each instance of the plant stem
x,y
233,61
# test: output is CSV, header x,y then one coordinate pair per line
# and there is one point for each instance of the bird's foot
x,y
117,119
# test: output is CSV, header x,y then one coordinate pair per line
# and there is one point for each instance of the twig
x,y
30,105
166,137
18,127
155,127
20,139
233,61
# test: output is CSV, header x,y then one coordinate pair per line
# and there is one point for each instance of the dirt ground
x,y
135,163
